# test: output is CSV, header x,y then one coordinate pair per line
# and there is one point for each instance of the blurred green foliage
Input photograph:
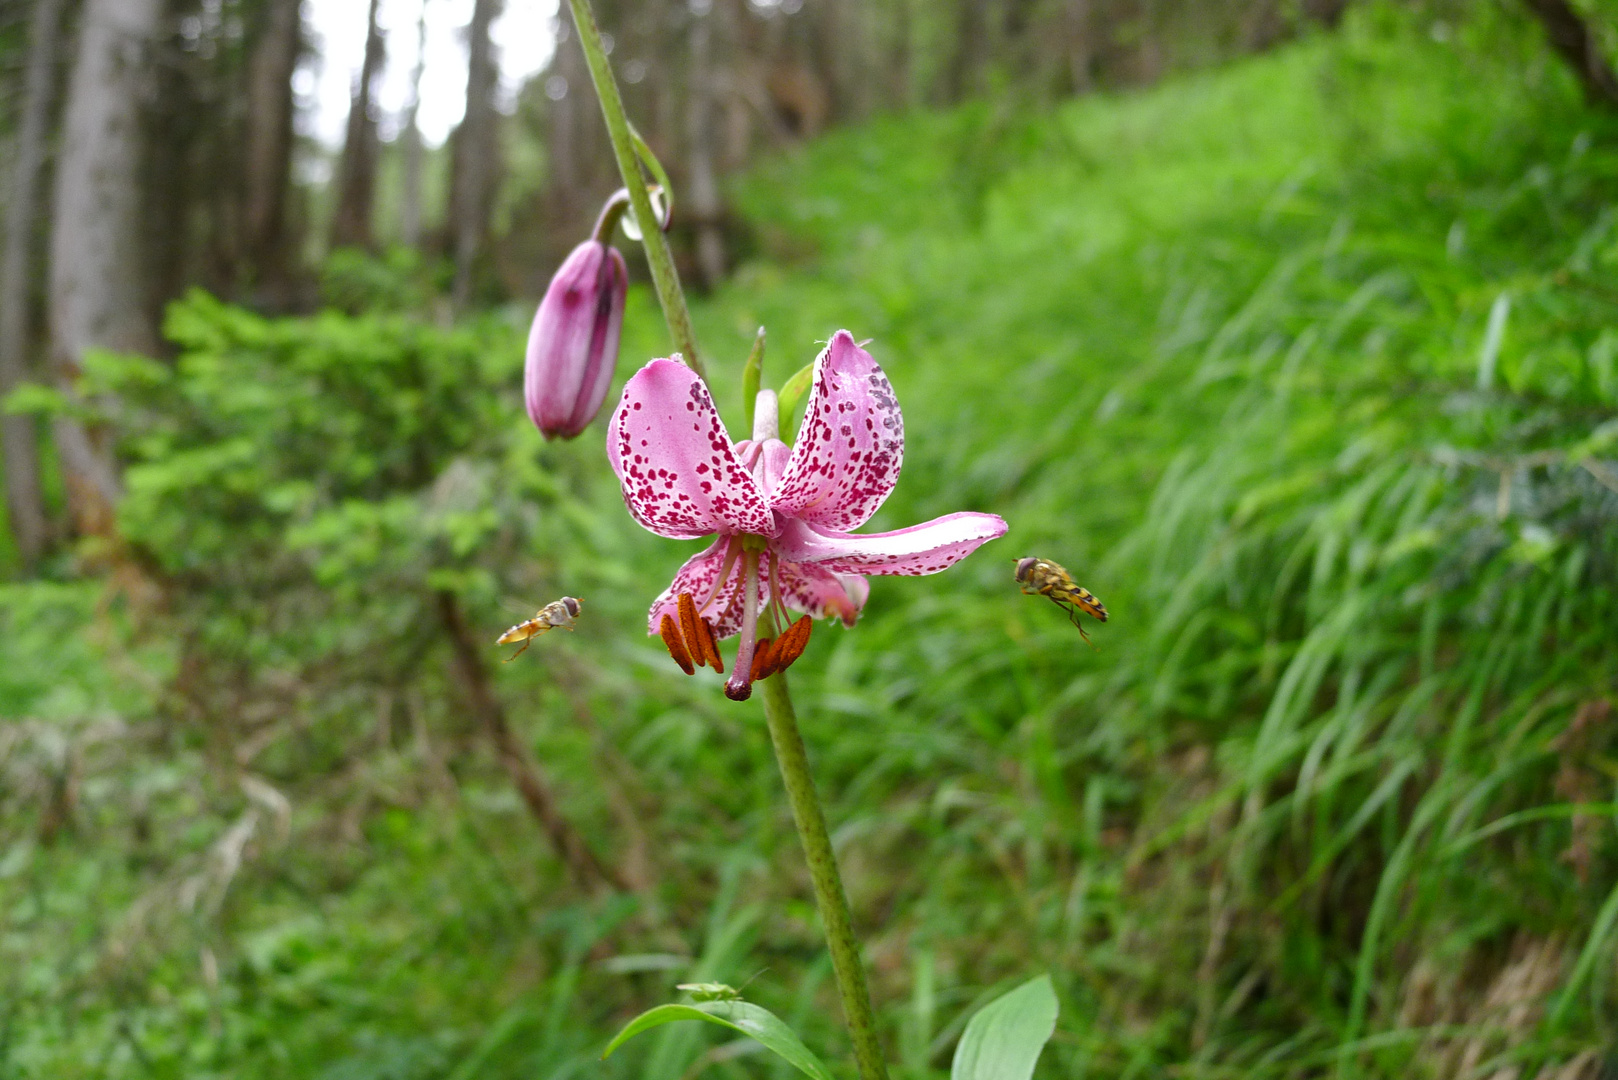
x,y
1308,368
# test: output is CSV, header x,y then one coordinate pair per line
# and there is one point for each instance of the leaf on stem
x,y
792,393
755,1022
660,176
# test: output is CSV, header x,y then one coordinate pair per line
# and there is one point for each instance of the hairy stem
x,y
665,279
828,882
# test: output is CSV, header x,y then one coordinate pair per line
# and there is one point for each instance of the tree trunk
x,y
1080,46
269,146
96,293
25,506
1572,40
474,152
966,51
410,196
901,71
702,194
356,181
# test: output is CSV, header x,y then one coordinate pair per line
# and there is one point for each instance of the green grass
x,y
1221,348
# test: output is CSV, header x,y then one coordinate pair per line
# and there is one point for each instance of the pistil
x,y
740,685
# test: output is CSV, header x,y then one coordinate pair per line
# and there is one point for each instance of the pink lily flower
x,y
782,518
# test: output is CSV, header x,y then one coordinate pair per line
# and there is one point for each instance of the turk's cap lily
x,y
782,517
573,343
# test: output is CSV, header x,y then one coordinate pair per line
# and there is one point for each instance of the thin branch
x,y
535,790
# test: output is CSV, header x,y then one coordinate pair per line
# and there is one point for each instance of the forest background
x,y
1288,326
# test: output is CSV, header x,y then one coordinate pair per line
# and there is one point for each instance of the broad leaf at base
x,y
1003,1041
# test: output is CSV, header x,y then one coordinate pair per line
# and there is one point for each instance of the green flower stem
x,y
829,896
665,278
778,710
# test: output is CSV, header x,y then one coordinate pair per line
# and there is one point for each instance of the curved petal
x,y
921,549
816,591
697,577
679,474
850,445
858,589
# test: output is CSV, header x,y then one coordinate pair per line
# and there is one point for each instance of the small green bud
x,y
752,374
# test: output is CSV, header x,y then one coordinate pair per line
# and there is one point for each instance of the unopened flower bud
x,y
573,344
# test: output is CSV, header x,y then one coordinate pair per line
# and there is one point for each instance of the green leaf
x,y
35,399
1004,1039
752,373
751,1020
792,393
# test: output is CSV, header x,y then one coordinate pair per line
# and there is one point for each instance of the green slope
x,y
1223,348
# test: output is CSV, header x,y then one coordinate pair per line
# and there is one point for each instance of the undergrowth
x,y
1308,368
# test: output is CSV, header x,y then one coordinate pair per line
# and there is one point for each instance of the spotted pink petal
x,y
816,591
921,549
697,577
850,445
679,473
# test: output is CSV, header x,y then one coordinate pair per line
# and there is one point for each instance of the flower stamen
x,y
777,603
700,636
670,634
761,659
790,645
689,631
724,574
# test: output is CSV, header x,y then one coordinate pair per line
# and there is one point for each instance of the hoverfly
x,y
557,613
1050,579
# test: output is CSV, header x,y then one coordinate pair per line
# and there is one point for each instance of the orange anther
x,y
761,658
671,637
790,645
710,645
688,629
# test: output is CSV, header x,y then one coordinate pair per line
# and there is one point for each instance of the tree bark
x,y
269,145
1081,47
474,152
410,196
585,869
1571,38
966,51
25,505
96,294
356,181
702,195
